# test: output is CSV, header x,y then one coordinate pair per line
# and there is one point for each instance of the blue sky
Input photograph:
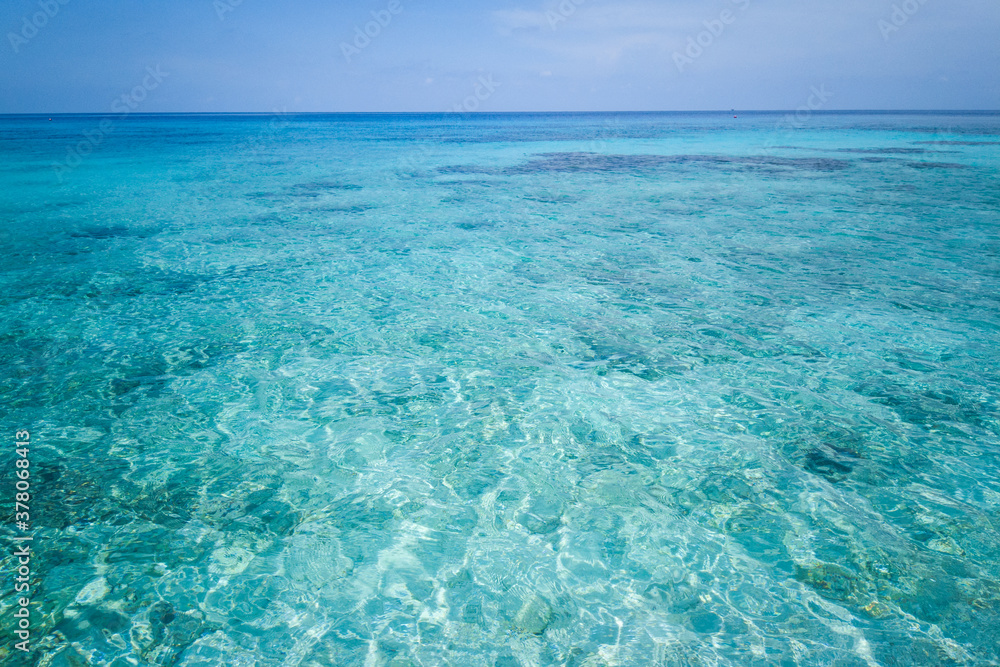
x,y
544,55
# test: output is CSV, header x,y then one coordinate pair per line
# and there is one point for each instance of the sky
x,y
153,56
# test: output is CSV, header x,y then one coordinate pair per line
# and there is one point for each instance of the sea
x,y
500,390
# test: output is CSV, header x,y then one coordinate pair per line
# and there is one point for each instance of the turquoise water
x,y
583,390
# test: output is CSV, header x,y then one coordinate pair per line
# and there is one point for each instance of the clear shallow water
x,y
507,390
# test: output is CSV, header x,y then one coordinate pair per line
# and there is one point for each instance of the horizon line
x,y
820,112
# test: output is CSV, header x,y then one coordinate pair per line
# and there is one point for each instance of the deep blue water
x,y
576,389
